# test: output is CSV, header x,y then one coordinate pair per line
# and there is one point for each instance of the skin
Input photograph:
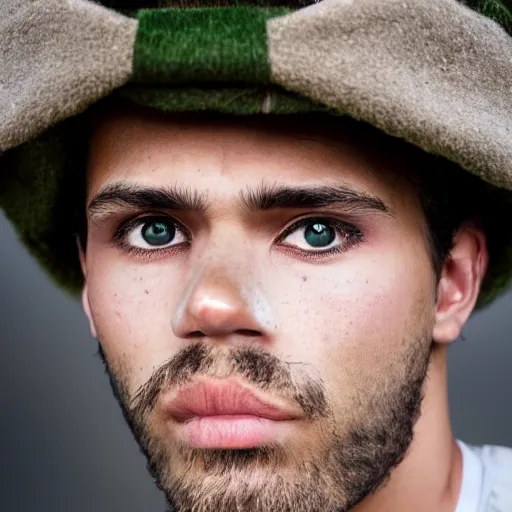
x,y
355,333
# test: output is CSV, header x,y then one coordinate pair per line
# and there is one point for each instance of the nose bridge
x,y
223,296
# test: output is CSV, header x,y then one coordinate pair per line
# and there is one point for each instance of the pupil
x,y
319,235
158,233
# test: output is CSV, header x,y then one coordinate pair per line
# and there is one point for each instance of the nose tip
x,y
216,317
216,306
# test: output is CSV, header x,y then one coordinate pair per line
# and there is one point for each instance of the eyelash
x,y
119,238
351,234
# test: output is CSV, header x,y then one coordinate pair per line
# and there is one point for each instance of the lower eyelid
x,y
150,254
350,240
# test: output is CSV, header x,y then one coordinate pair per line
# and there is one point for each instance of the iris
x,y
158,233
319,234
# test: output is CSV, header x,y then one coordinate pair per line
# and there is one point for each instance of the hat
x,y
435,73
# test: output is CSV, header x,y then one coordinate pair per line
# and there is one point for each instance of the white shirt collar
x,y
472,480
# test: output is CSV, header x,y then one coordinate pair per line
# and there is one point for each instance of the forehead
x,y
221,154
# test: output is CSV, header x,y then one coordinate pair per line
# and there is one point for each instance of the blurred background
x,y
65,446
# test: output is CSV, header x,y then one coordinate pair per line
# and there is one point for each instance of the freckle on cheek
x,y
304,278
146,292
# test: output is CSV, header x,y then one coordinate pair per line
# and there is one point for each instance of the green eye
x,y
151,234
319,234
158,233
315,236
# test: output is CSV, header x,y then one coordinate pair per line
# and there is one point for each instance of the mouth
x,y
223,414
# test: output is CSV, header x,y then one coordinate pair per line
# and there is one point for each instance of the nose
x,y
219,305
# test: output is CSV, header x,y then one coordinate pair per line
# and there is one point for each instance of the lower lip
x,y
231,431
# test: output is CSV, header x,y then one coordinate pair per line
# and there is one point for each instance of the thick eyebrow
x,y
116,196
268,198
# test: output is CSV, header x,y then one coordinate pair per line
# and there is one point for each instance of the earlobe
x,y
87,310
459,286
85,295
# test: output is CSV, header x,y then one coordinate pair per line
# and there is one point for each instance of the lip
x,y
225,414
225,398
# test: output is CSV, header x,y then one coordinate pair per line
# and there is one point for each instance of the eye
x,y
320,235
151,233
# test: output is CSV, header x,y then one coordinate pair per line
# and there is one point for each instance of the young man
x,y
274,294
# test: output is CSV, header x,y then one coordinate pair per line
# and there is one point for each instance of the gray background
x,y
65,446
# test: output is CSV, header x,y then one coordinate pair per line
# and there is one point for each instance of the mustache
x,y
256,366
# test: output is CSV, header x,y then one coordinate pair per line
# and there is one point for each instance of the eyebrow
x,y
268,198
122,195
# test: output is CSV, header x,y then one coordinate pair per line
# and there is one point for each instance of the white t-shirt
x,y
486,479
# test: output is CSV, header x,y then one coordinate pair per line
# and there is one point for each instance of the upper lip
x,y
214,398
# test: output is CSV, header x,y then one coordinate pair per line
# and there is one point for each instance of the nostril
x,y
249,332
196,334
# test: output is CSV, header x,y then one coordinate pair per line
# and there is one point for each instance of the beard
x,y
336,467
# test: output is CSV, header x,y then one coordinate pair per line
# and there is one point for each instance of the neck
x,y
430,476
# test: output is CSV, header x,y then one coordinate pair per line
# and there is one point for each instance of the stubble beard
x,y
351,462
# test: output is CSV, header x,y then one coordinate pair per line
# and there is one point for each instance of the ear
x,y
85,294
459,286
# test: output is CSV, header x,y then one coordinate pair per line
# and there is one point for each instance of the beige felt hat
x,y
435,73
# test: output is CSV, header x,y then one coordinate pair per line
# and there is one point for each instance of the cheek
x,y
350,320
132,315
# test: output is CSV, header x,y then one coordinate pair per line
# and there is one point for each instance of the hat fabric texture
x,y
435,73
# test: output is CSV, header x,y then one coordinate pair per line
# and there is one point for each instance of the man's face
x,y
232,265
